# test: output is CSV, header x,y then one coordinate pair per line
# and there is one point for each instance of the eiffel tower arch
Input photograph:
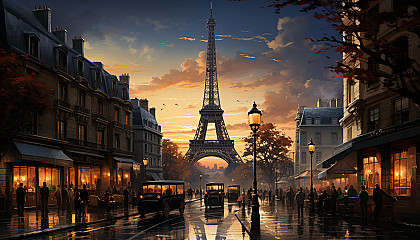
x,y
212,112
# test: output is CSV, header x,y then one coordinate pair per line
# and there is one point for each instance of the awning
x,y
340,169
31,152
307,174
124,160
155,176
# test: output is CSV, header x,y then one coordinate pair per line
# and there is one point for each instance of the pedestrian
x,y
352,192
340,193
290,195
269,195
378,195
323,200
84,196
65,197
20,199
45,193
363,199
300,200
58,196
334,198
78,204
70,195
126,194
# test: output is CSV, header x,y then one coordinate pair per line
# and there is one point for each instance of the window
x,y
125,93
62,91
116,114
100,107
371,174
82,99
145,147
98,78
303,157
318,121
80,70
318,157
373,67
401,58
303,139
31,123
82,134
334,138
403,171
61,129
62,58
114,86
401,113
100,139
373,123
334,120
127,118
145,135
128,140
318,139
349,38
33,46
308,121
350,91
117,140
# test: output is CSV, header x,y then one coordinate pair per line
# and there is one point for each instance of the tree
x,y
22,94
363,27
243,174
175,167
272,149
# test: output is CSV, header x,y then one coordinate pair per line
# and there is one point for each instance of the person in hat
x,y
363,199
20,199
45,193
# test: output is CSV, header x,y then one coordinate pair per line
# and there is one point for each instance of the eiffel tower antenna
x,y
211,112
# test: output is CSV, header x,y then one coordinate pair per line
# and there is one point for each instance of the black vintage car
x,y
162,196
234,191
215,194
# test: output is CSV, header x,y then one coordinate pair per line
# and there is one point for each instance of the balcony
x,y
58,103
99,118
82,110
85,143
400,117
117,124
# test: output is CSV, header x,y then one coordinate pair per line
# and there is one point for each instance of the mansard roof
x,y
323,113
143,118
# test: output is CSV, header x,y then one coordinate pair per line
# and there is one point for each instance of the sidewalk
x,y
277,221
33,224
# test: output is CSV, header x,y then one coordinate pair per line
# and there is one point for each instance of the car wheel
x,y
165,209
181,207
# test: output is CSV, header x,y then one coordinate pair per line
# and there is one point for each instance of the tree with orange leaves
x,y
272,149
175,167
21,94
369,29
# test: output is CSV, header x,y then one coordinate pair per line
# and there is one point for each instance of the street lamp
x,y
201,195
144,167
311,147
275,184
254,121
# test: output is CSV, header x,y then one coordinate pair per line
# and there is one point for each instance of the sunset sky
x,y
262,57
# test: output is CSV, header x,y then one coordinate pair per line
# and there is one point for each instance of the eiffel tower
x,y
212,112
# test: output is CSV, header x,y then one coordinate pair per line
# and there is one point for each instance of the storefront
x,y
127,172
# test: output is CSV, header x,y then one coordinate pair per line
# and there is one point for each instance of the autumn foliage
x,y
175,167
361,26
272,149
21,94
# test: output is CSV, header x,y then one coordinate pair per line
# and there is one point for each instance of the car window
x,y
166,191
180,189
173,189
153,189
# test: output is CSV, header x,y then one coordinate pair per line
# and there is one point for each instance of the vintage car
x,y
233,193
215,194
162,196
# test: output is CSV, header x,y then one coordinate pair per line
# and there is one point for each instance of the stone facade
x,y
85,137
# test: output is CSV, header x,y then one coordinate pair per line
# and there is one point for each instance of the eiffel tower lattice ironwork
x,y
212,112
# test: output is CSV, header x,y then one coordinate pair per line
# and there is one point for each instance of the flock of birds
x,y
176,104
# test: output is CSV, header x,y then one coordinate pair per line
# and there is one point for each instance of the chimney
x,y
125,78
144,103
61,34
44,16
319,103
79,45
135,103
333,102
153,111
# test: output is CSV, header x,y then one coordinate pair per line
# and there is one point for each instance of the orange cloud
x,y
116,68
238,126
190,106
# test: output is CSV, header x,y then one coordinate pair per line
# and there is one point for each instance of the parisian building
x,y
147,139
321,124
85,137
381,129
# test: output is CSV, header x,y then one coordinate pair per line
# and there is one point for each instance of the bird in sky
x,y
176,104
163,104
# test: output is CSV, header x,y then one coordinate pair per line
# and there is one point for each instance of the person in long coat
x,y
20,199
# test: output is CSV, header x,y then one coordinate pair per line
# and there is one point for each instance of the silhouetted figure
x,y
363,200
58,196
322,200
334,198
78,204
126,193
352,192
65,197
45,193
269,195
84,195
300,200
20,199
290,195
378,199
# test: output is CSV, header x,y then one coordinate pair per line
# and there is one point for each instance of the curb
x,y
243,225
77,225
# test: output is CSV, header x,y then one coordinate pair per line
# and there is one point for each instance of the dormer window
x,y
61,58
98,78
125,93
318,121
334,120
308,121
33,42
114,86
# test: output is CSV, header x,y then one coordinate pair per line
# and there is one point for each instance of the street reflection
x,y
214,215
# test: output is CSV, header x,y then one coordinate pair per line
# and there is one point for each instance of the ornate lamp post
x,y
145,161
254,121
311,147
275,190
200,186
